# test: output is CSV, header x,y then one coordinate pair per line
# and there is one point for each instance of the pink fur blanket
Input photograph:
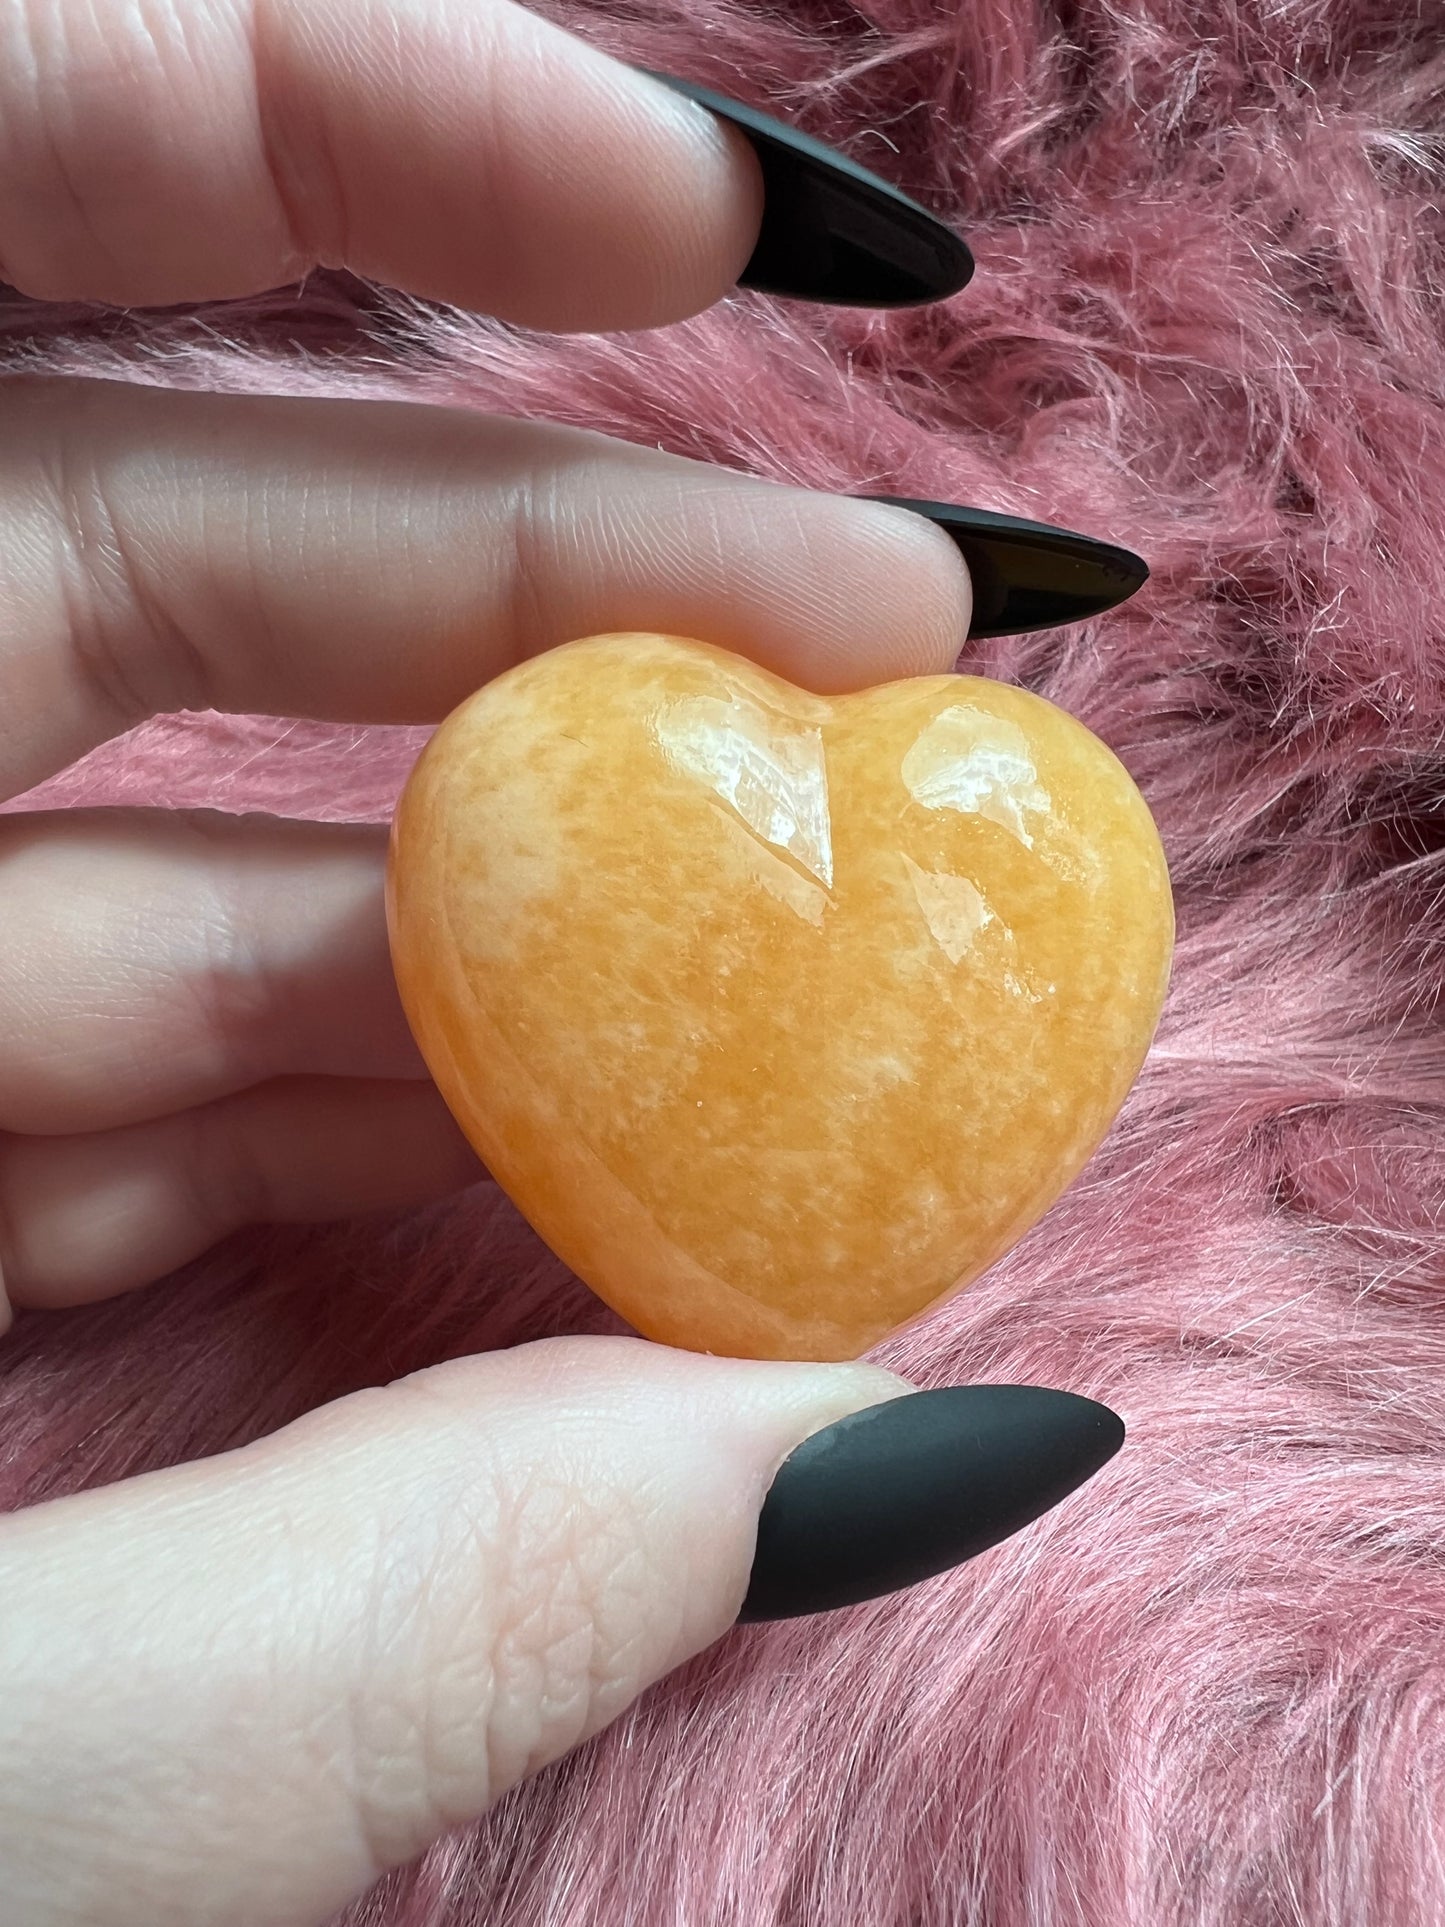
x,y
1207,323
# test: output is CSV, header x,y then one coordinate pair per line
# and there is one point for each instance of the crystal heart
x,y
779,1016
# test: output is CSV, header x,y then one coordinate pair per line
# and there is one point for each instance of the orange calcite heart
x,y
778,1016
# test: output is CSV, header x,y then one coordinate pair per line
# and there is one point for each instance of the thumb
x,y
242,1690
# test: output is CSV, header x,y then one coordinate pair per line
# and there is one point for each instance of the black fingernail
x,y
901,1491
831,230
1030,575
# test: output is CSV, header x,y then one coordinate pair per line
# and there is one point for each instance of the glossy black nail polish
x,y
894,1494
831,230
1030,575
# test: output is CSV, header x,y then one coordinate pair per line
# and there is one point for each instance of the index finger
x,y
463,149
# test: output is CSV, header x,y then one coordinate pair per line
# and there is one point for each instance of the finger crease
x,y
8,1247
240,1000
35,25
524,516
307,188
128,647
228,1187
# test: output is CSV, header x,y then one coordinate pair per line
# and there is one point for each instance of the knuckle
x,y
131,961
128,650
296,150
92,202
567,1622
226,1186
12,1277
60,66
41,205
239,999
530,518
525,1614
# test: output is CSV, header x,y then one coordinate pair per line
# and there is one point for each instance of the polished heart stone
x,y
779,1016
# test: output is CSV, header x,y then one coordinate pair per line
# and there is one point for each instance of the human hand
x,y
240,1690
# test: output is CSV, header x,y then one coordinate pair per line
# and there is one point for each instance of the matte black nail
x,y
901,1491
1030,575
831,230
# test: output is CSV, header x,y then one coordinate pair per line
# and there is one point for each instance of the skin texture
x,y
241,1690
199,1028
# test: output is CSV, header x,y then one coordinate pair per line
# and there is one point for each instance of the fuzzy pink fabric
x,y
1207,322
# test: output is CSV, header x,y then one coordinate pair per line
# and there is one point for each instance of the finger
x,y
86,1217
464,149
239,1691
151,961
376,562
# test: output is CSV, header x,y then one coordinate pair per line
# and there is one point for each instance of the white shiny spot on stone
x,y
953,908
979,765
780,879
768,768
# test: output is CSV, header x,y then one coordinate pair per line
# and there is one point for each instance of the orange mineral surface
x,y
779,1016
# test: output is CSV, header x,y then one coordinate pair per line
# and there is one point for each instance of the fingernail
x,y
831,230
1030,575
904,1490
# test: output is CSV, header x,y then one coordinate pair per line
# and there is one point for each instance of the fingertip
x,y
718,171
877,595
596,199
933,583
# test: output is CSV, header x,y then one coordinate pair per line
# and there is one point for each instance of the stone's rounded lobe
x,y
778,1016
